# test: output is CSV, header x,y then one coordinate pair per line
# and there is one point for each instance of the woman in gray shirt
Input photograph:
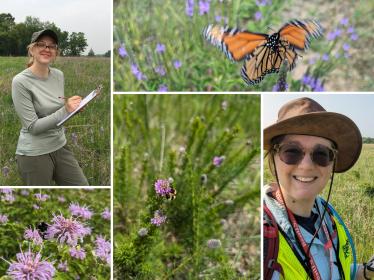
x,y
38,97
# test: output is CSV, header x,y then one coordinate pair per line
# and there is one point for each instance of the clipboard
x,y
83,103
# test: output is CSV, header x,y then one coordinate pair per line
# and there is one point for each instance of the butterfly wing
x,y
237,45
299,33
266,61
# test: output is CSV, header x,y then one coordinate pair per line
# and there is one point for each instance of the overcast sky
x,y
358,107
92,17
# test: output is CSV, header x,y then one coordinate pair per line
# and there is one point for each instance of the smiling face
x,y
305,180
44,51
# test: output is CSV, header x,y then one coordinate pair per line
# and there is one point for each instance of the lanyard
x,y
299,236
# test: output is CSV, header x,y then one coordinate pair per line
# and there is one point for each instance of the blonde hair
x,y
31,58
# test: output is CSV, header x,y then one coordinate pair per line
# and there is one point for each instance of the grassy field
x,y
159,47
178,136
88,133
353,198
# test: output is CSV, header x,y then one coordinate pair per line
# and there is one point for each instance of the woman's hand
x,y
72,103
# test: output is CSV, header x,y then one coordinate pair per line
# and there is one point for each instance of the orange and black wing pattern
x,y
265,61
236,44
299,33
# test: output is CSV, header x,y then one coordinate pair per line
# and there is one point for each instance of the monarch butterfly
x,y
262,53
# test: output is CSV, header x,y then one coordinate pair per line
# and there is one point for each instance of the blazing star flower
x,y
63,266
258,16
354,37
137,73
204,7
344,21
162,88
158,219
160,48
160,70
350,30
30,265
214,243
122,51
325,57
217,161
177,64
41,197
346,47
280,86
33,235
78,253
106,214
80,211
162,187
190,7
3,219
5,170
103,249
67,231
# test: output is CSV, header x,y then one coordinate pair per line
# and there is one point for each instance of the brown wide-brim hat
x,y
305,116
45,32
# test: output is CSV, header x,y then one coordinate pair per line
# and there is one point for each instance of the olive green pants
x,y
59,166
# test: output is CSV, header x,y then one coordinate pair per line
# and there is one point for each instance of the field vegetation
x,y
203,151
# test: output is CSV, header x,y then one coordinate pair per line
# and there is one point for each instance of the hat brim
x,y
49,33
333,126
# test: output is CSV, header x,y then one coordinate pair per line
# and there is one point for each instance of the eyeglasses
x,y
43,45
292,154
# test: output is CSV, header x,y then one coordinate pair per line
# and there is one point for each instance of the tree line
x,y
368,140
15,37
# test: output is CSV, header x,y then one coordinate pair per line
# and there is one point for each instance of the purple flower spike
x,y
137,73
41,197
177,64
346,47
30,265
190,7
351,30
158,218
160,48
325,57
160,70
354,37
217,161
162,88
258,16
204,7
103,249
344,21
122,51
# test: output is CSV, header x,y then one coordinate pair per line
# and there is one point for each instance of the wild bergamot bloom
x,y
162,187
103,249
80,211
33,235
67,230
158,219
30,265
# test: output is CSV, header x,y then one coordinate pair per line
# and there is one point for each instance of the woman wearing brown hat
x,y
304,237
38,97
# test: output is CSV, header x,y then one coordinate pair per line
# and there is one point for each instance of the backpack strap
x,y
271,245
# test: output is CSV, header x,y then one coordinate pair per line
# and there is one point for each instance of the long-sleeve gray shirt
x,y
39,107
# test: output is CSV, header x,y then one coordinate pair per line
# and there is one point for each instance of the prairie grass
x,y
88,133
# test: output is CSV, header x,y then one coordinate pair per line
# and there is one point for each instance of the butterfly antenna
x,y
270,28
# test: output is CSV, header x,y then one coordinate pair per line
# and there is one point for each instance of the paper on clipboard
x,y
83,103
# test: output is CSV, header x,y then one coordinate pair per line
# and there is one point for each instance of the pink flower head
x,y
78,253
41,197
33,235
162,187
106,214
30,265
80,211
67,231
217,161
103,249
158,218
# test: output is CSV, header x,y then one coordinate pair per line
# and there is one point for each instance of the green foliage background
x,y
177,136
88,133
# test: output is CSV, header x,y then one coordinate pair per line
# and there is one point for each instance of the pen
x,y
61,97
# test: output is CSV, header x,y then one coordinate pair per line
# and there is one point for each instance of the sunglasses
x,y
292,154
43,45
